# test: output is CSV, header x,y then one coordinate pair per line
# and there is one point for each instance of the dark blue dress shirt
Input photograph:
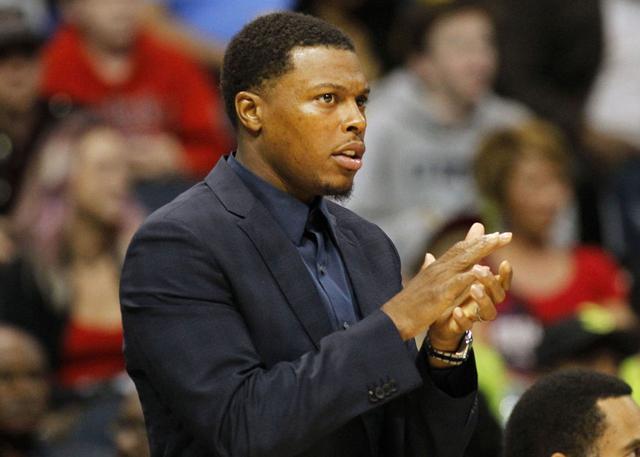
x,y
310,228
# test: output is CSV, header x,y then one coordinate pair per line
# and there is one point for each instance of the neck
x,y
249,156
88,237
446,108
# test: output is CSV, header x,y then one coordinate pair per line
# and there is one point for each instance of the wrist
x,y
448,343
440,357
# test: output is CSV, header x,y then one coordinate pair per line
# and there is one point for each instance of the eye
x,y
634,453
362,101
327,98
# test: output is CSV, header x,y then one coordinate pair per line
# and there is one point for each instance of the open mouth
x,y
350,156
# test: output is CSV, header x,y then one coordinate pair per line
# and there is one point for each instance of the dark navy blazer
x,y
233,353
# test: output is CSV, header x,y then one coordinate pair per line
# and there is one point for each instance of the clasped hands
x,y
451,293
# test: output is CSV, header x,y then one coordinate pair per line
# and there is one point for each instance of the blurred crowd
x,y
522,114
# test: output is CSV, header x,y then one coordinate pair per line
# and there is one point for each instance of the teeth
x,y
349,153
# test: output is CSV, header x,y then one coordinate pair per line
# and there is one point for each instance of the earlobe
x,y
249,110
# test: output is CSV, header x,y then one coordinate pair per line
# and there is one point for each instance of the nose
x,y
354,121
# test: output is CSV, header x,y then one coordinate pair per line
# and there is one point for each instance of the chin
x,y
338,193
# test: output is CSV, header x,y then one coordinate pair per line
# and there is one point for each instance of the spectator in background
x,y
590,340
550,55
24,118
613,109
74,220
203,27
524,174
613,119
24,394
104,59
575,413
425,120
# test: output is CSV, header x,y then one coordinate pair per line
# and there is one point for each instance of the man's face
x,y
621,437
23,385
460,59
313,123
19,81
111,24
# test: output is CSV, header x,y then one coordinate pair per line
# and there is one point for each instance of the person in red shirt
x,y
101,57
525,172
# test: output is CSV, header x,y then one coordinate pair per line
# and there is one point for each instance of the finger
x,y
506,274
464,254
461,322
476,231
491,283
457,288
428,260
484,306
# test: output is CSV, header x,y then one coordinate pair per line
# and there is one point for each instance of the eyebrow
x,y
632,445
339,87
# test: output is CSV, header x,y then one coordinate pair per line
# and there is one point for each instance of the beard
x,y
338,194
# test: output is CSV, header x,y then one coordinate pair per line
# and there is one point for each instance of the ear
x,y
249,110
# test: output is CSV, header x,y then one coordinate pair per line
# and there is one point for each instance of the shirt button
x,y
345,325
322,269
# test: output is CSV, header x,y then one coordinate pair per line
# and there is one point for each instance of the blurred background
x,y
522,114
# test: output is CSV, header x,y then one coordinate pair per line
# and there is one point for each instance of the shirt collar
x,y
289,212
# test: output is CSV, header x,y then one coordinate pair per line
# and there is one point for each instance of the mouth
x,y
350,155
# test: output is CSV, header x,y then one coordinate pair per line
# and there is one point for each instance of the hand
x,y
443,285
479,305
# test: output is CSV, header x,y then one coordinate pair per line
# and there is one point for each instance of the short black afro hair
x,y
559,414
261,51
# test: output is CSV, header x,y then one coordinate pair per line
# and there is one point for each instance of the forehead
x,y
316,65
460,22
622,419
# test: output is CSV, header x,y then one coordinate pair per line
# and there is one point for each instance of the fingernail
x,y
506,236
477,291
482,270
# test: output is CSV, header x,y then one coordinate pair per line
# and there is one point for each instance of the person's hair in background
x,y
504,150
413,30
574,413
260,53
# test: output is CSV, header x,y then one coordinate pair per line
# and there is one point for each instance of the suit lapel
x,y
277,251
359,270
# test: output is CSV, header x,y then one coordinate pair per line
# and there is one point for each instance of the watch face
x,y
468,337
